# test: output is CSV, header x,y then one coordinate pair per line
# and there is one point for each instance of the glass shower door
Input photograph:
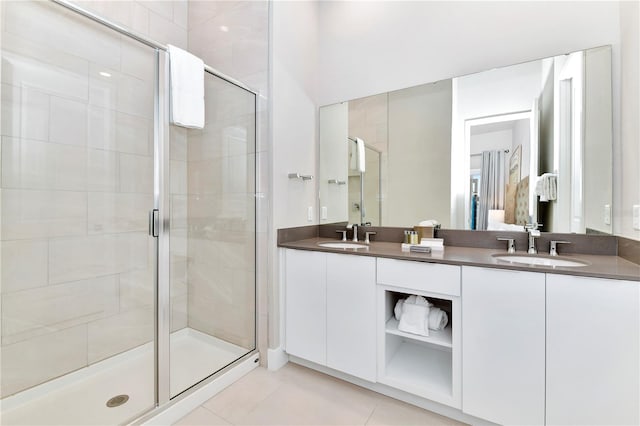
x,y
212,237
78,265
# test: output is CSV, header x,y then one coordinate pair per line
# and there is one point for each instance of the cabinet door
x,y
593,356
351,315
305,329
503,338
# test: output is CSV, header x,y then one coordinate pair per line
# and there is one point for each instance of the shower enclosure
x,y
365,190
127,249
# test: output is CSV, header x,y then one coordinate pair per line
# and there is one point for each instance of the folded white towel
x,y
414,319
438,319
430,222
187,88
360,155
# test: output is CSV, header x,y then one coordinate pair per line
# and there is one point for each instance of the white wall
x,y
371,47
333,163
294,111
626,153
294,40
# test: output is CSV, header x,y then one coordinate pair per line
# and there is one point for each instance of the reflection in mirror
x,y
494,150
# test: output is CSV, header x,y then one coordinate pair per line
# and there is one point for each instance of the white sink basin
x,y
343,245
540,260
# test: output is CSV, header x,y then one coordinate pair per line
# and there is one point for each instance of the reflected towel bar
x,y
299,176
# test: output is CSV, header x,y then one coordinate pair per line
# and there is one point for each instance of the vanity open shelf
x,y
422,365
436,337
417,367
440,338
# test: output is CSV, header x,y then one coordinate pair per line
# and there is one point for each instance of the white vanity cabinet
x,y
306,305
351,313
593,355
331,310
503,345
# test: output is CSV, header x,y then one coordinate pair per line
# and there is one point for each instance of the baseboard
x,y
276,359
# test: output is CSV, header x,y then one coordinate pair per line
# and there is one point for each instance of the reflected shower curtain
x,y
492,186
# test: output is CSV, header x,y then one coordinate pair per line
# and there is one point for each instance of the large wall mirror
x,y
525,143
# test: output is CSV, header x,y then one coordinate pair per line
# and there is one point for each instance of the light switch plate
x,y
323,212
309,213
607,214
636,217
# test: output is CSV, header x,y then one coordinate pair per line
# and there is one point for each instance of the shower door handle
x,y
154,222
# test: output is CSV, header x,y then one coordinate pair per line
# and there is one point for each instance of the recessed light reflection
x,y
105,74
224,28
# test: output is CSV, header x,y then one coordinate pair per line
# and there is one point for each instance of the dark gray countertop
x,y
613,267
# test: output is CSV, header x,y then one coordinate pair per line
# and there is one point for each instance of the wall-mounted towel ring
x,y
299,176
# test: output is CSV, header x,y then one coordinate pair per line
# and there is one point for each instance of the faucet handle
x,y
553,249
511,244
344,234
366,236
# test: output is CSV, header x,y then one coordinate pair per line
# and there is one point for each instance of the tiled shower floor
x,y
80,397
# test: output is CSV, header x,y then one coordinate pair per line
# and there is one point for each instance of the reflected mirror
x,y
494,150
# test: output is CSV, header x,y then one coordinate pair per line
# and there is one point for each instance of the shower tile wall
x,y
232,36
77,172
221,237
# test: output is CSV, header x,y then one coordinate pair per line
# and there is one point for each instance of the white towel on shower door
x,y
360,155
187,88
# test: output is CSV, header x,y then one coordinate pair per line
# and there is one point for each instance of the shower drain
x,y
117,401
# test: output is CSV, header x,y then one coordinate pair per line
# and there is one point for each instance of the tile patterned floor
x,y
296,395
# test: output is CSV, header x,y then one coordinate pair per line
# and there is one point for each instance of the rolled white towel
x,y
414,319
419,300
438,319
397,311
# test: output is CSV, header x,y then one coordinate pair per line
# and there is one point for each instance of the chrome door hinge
x,y
154,222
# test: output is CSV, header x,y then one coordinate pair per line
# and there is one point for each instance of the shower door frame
x,y
160,228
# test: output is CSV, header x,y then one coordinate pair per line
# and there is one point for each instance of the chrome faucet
x,y
355,233
534,233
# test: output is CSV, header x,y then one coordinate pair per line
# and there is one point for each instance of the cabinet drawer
x,y
429,277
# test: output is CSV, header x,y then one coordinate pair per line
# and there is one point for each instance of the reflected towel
x,y
547,187
360,155
187,88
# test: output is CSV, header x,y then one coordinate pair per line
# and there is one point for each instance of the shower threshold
x,y
80,397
